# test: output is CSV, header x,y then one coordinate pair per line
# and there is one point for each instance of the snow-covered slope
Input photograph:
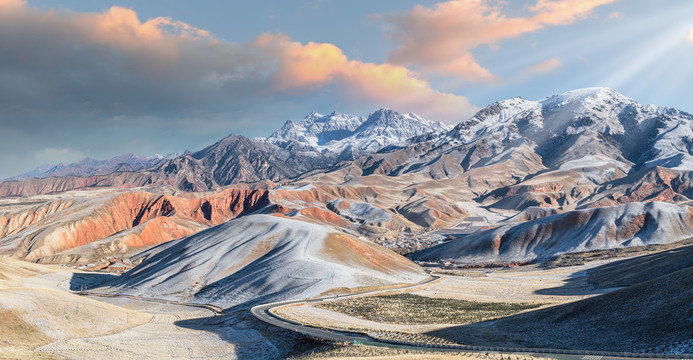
x,y
585,122
262,258
317,130
339,132
632,224
386,127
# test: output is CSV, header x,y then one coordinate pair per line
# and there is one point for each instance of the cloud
x,y
314,4
439,39
564,12
11,4
690,36
543,67
113,63
51,155
304,67
614,15
83,80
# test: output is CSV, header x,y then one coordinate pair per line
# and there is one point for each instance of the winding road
x,y
263,313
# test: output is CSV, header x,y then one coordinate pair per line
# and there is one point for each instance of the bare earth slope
x,y
583,149
631,224
85,227
33,312
263,258
639,269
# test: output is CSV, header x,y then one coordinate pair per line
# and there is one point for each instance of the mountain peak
x,y
313,115
337,132
581,95
386,127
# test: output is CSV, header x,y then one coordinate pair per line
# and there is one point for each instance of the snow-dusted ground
x,y
315,316
491,217
174,332
360,211
524,284
631,224
262,258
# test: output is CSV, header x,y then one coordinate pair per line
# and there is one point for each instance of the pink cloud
x,y
439,39
564,12
543,67
12,4
305,67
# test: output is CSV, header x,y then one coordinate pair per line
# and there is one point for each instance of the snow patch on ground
x,y
360,211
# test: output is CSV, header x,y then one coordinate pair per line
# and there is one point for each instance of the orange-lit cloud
x,y
467,67
116,63
614,15
439,39
564,12
543,67
7,5
690,36
301,66
304,67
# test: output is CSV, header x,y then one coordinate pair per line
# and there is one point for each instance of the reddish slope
x,y
129,220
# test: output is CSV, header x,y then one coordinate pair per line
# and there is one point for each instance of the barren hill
x,y
632,224
263,258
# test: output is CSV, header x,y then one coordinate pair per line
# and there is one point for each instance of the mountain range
x,y
389,172
90,167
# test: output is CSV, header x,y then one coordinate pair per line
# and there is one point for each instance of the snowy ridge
x,y
317,130
631,224
338,132
646,135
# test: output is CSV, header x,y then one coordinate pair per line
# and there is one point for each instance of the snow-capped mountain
x,y
597,133
316,142
90,167
589,122
317,130
386,127
337,132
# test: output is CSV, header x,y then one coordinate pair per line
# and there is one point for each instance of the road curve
x,y
263,313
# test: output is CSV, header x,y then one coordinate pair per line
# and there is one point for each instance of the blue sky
x,y
99,79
